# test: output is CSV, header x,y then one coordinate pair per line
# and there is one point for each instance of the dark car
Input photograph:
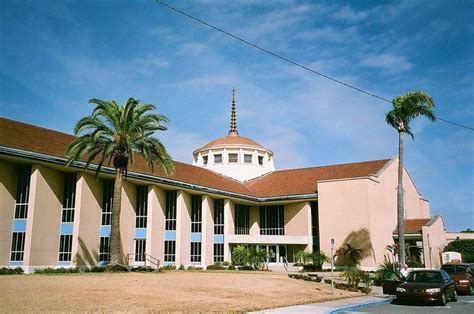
x,y
462,274
429,286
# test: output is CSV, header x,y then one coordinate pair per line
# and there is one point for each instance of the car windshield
x,y
452,269
424,277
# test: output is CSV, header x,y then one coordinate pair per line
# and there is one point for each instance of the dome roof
x,y
231,139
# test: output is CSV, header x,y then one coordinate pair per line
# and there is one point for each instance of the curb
x,y
357,306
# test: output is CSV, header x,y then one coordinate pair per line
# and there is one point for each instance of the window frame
x,y
216,156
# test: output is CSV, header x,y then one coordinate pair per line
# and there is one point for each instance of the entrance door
x,y
272,251
282,254
140,245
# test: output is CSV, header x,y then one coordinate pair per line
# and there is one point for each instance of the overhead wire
x,y
294,62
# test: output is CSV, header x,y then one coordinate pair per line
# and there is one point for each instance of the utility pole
x,y
332,266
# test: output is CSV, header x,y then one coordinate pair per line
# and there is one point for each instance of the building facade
x,y
52,215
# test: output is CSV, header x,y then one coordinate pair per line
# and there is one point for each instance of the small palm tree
x,y
405,109
116,133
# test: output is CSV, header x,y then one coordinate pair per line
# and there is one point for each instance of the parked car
x,y
427,285
463,275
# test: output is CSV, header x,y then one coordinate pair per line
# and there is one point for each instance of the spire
x,y
233,116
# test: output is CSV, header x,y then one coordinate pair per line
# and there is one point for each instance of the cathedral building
x,y
231,194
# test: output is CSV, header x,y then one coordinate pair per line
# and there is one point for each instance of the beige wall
x,y
298,219
207,230
44,212
229,226
183,232
254,220
87,220
344,216
127,219
156,223
8,182
434,236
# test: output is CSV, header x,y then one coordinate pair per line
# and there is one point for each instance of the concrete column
x,y
228,227
307,213
127,219
156,223
254,217
207,244
183,228
87,220
44,218
8,185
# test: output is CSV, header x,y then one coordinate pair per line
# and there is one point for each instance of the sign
x,y
332,243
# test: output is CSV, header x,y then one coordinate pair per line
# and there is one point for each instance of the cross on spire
x,y
233,116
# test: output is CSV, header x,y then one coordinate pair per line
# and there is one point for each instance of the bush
x,y
168,267
11,271
97,269
354,276
465,247
60,270
241,255
194,268
246,267
226,263
115,269
181,267
216,266
142,269
231,267
386,271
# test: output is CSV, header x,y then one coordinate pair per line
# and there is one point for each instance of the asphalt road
x,y
465,305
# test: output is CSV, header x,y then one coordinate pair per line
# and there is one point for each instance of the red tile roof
x,y
232,139
278,183
414,225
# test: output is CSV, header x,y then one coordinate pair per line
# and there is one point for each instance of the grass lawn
x,y
168,291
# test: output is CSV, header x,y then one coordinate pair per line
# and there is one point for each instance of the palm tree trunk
x,y
115,239
400,209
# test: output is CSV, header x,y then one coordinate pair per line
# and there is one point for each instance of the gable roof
x,y
291,182
413,226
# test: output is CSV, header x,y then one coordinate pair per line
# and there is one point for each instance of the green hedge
x,y
465,247
11,271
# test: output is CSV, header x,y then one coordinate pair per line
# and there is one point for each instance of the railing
x,y
272,231
152,261
241,230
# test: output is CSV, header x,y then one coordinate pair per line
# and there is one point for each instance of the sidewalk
x,y
336,306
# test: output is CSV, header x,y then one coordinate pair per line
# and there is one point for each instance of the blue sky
x,y
55,55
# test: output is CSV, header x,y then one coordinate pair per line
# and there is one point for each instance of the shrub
x,y
465,247
245,267
168,267
11,271
231,267
194,268
226,263
301,257
216,266
354,276
98,269
181,267
351,254
142,269
386,271
116,269
241,255
60,270
317,259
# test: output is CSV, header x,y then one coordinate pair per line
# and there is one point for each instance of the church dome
x,y
233,155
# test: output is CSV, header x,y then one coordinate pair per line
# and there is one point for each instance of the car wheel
x,y
444,300
471,290
455,296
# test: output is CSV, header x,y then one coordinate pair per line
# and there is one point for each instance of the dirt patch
x,y
169,291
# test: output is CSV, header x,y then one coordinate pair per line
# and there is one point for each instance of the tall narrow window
x,y
204,160
17,248
170,227
22,192
196,213
140,245
272,220
170,214
217,158
218,252
195,252
247,159
65,247
142,207
104,249
69,197
315,226
260,160
107,202
242,219
219,216
170,251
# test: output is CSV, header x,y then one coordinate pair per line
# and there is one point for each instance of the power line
x,y
293,62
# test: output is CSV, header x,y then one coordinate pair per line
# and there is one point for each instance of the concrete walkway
x,y
337,306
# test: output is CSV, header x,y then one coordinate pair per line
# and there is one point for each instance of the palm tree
x,y
405,109
116,133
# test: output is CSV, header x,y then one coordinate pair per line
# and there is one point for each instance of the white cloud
x,y
388,62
